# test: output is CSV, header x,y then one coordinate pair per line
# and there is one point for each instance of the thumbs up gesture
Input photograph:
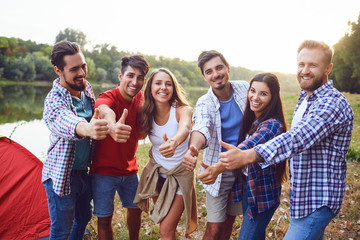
x,y
98,127
231,158
119,131
190,158
167,149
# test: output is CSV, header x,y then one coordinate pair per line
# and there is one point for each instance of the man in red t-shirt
x,y
114,167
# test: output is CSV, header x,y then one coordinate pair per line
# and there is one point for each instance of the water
x,y
21,108
33,135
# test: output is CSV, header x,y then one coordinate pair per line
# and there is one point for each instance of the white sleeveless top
x,y
156,138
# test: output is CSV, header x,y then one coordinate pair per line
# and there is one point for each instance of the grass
x,y
346,225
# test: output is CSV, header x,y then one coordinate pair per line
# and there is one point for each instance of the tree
x,y
20,69
43,67
346,70
101,74
72,35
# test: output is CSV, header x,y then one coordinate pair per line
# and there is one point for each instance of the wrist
x,y
175,142
82,129
258,157
219,167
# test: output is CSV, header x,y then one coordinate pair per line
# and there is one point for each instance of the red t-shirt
x,y
112,158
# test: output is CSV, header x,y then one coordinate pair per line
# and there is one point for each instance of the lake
x,y
21,108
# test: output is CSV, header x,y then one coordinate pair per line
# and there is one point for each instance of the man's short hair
x,y
312,44
62,49
206,56
135,61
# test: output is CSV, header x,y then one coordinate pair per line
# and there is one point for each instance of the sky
x,y
256,34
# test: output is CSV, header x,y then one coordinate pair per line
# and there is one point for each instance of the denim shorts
x,y
104,188
162,180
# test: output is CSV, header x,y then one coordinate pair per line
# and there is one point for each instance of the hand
x,y
119,131
210,172
167,149
190,158
231,158
98,128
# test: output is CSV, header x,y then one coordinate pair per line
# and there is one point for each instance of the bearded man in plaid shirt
x,y
73,123
316,146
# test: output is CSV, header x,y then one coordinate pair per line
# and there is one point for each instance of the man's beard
x,y
315,85
222,86
75,87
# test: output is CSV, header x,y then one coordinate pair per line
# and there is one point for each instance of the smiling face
x,y
72,77
131,82
216,73
162,87
259,97
312,71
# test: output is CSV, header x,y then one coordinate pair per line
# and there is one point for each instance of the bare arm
x,y
197,141
184,114
119,131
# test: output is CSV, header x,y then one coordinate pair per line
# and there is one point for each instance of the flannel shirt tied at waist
x,y
178,175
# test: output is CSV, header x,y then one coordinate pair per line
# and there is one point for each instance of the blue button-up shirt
x,y
207,121
317,147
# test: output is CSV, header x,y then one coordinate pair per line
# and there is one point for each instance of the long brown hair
x,y
149,107
273,110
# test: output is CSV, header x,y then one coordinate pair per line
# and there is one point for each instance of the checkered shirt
x,y
61,118
207,121
263,191
317,145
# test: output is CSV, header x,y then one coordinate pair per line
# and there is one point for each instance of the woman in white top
x,y
167,120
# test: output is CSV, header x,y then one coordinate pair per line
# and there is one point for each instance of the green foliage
x,y
114,71
22,60
346,70
91,69
19,69
353,154
104,62
43,67
72,35
101,74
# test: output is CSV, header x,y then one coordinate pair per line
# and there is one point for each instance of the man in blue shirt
x,y
316,145
217,117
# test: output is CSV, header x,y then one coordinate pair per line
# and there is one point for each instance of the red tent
x,y
23,205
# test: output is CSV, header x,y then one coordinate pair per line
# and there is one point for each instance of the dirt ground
x,y
345,226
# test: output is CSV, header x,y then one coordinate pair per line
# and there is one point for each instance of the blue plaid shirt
x,y
61,118
207,121
317,145
263,190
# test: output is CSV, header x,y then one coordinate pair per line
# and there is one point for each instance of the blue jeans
x,y
310,227
70,214
254,228
104,188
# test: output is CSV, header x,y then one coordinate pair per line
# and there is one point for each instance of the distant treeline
x,y
346,70
22,60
